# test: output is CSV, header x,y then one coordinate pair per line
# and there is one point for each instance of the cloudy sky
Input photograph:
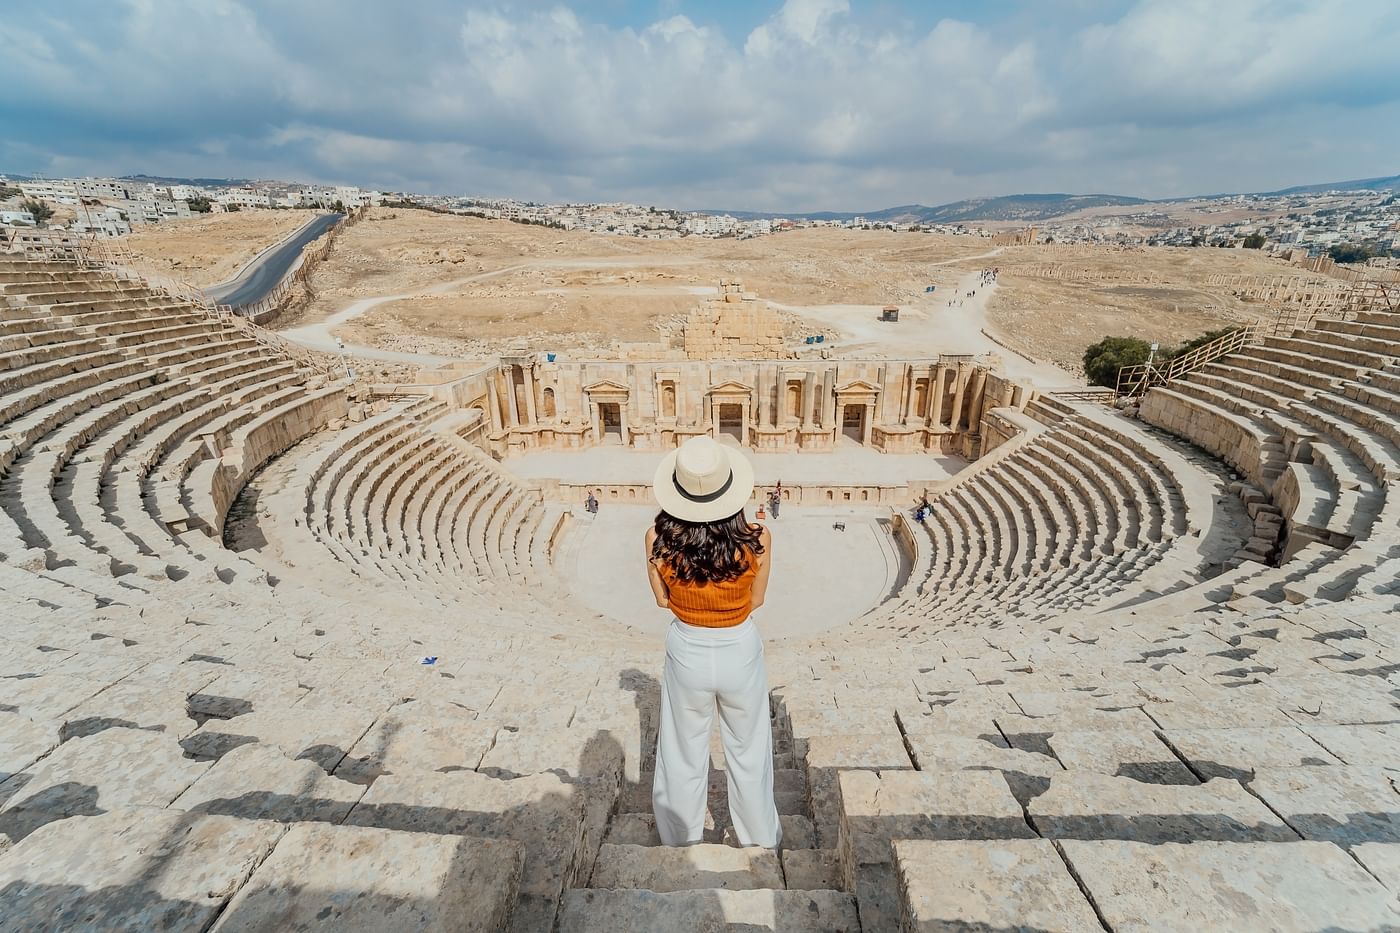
x,y
802,105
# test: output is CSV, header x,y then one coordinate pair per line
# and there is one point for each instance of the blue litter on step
x,y
430,660
821,338
811,339
549,357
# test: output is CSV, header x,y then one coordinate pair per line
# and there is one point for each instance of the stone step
x,y
322,877
811,869
686,868
596,911
1002,884
1088,805
789,792
640,829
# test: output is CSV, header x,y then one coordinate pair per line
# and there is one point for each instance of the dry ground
x,y
1056,319
566,290
464,286
208,248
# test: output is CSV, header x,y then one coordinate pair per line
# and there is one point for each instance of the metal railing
x,y
1136,380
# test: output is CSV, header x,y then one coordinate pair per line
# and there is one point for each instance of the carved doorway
x,y
731,420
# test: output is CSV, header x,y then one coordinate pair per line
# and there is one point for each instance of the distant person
x,y
591,503
919,514
775,500
709,566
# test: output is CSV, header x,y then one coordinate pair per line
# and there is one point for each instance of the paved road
x,y
262,274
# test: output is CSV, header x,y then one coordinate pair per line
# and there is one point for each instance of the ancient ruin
x,y
284,647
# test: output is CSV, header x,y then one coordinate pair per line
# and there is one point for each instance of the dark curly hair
x,y
706,552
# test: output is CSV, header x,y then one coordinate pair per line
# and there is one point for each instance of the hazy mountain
x,y
1388,183
196,182
1030,208
1027,208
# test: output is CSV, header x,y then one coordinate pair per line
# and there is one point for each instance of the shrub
x,y
1103,359
1200,341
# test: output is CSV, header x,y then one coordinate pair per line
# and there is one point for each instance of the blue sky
x,y
796,105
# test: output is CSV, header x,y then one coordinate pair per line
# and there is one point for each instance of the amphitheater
x,y
283,650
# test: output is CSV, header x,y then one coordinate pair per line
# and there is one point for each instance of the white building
x,y
243,198
106,188
57,192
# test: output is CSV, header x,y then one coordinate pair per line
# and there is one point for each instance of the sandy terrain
x,y
568,291
208,248
1056,319
412,286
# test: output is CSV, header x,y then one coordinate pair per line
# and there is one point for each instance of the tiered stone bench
x,y
1050,728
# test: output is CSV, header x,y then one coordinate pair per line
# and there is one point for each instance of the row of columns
x,y
968,382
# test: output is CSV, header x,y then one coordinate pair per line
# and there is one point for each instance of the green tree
x,y
40,210
1254,241
6,192
1350,252
232,208
199,204
338,206
1103,359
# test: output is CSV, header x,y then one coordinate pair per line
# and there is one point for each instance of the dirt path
x,y
948,321
320,336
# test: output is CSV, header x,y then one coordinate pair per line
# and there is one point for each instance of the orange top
x,y
717,604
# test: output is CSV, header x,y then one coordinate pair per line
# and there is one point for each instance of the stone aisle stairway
x,y
638,884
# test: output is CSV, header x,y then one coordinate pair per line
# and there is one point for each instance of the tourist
x,y
591,503
774,501
709,566
919,514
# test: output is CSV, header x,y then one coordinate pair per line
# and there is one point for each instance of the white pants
x,y
705,667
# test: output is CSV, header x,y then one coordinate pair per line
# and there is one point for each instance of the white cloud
x,y
815,107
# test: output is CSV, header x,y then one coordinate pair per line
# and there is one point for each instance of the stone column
x,y
829,399
511,402
936,405
595,418
959,387
493,402
908,394
764,399
809,380
978,395
869,427
530,394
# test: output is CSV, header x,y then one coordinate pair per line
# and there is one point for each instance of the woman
x,y
709,567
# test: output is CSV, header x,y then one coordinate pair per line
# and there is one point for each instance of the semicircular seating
x,y
264,632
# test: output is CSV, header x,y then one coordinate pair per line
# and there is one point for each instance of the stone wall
x,y
773,405
733,326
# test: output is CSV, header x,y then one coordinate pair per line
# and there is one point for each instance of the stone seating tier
x,y
201,737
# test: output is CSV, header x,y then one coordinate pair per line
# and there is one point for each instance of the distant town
x,y
1348,225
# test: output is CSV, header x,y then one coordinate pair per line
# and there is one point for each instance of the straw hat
x,y
703,481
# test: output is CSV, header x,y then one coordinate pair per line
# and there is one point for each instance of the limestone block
x,y
582,752
1138,754
877,808
22,742
828,755
418,737
131,706
686,868
1027,773
1239,753
1361,745
1296,887
598,911
322,877
543,812
1087,805
133,868
1004,884
321,734
260,782
115,768
811,869
1348,805
1381,859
